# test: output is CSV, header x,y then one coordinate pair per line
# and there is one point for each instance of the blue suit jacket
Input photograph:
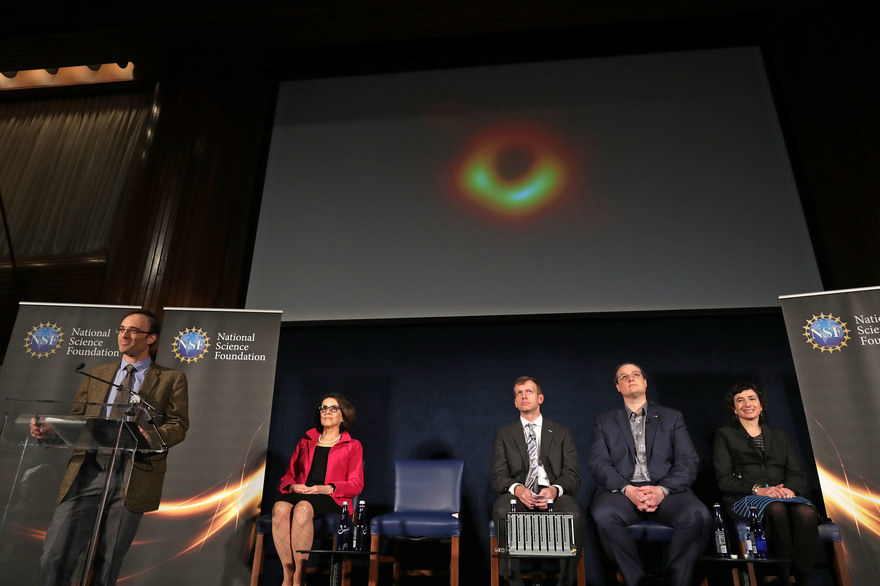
x,y
672,459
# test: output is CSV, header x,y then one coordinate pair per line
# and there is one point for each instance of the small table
x,y
337,558
742,569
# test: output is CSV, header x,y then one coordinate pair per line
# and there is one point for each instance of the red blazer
x,y
345,466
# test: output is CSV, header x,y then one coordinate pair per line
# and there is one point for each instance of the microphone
x,y
135,399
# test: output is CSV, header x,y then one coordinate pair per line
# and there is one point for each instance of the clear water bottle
x,y
549,505
756,530
344,529
360,538
512,505
722,542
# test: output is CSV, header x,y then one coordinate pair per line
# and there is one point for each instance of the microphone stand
x,y
137,402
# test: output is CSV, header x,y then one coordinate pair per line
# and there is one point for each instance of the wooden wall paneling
x,y
199,197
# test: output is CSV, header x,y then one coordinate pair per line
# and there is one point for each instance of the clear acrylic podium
x,y
31,473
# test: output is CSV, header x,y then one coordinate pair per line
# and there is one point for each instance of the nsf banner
x,y
835,343
48,343
203,530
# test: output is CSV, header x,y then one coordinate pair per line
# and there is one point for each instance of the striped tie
x,y
532,444
121,404
123,394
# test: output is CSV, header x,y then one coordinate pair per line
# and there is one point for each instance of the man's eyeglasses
x,y
132,331
331,408
634,376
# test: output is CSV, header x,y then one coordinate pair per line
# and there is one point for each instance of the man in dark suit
x,y
644,463
553,474
83,484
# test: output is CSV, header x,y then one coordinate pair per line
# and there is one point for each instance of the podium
x,y
32,472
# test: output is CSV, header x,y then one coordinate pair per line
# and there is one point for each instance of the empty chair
x,y
427,500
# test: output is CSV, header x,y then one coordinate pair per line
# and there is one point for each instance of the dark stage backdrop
x,y
439,388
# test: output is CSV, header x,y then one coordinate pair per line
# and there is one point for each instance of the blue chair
x,y
325,528
829,533
427,500
648,531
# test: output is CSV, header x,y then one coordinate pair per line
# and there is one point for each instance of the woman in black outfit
x,y
755,464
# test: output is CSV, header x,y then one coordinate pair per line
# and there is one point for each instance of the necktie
x,y
532,445
123,394
118,411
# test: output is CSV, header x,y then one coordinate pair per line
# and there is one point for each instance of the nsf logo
x,y
191,344
826,333
43,340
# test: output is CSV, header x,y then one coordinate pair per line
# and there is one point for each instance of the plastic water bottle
x,y
360,540
720,532
549,505
344,529
756,530
512,505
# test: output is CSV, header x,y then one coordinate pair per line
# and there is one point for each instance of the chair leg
x,y
346,572
453,562
494,561
750,566
582,573
259,556
840,570
395,574
374,560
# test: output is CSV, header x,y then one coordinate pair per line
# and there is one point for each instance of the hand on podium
x,y
40,429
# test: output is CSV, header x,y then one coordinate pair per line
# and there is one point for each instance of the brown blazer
x,y
165,389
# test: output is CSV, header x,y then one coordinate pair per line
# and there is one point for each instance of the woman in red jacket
x,y
327,467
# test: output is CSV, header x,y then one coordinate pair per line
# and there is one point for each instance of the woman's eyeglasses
x,y
331,408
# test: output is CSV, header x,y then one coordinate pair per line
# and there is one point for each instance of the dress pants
x,y
73,521
510,566
682,511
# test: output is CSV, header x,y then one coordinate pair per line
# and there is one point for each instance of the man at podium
x,y
83,485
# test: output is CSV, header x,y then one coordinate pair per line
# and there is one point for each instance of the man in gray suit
x,y
514,477
83,484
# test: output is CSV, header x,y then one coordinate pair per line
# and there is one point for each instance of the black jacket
x,y
739,464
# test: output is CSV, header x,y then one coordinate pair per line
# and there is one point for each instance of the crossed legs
x,y
292,530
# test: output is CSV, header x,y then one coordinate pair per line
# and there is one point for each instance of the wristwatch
x,y
755,488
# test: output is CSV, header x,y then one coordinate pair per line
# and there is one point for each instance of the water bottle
x,y
721,539
344,529
549,505
750,543
759,541
512,505
360,539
